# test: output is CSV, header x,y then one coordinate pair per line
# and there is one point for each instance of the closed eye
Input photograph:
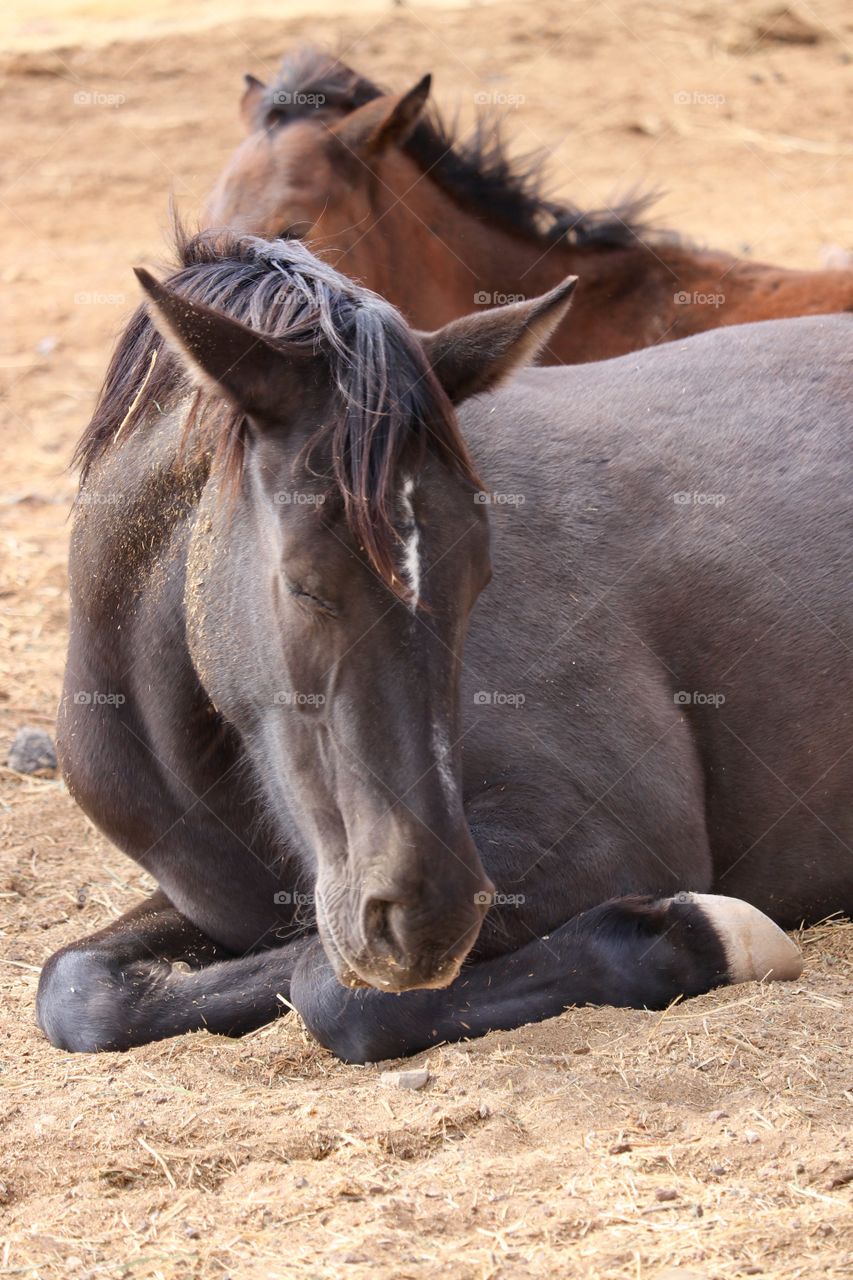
x,y
310,599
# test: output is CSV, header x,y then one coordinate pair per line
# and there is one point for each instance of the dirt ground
x,y
713,1141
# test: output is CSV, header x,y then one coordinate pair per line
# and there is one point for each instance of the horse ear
x,y
479,351
224,355
252,101
386,120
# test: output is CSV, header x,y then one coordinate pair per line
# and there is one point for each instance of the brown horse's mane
x,y
392,408
477,172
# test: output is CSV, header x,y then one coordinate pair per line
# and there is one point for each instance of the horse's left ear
x,y
378,124
475,353
252,101
229,357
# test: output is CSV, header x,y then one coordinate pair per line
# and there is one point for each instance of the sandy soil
x,y
713,1141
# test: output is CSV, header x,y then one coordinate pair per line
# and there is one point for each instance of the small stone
x,y
666,1193
413,1078
619,1148
484,1111
648,125
32,751
750,1136
784,26
46,347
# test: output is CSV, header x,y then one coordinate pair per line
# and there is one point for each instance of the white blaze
x,y
443,761
411,547
412,577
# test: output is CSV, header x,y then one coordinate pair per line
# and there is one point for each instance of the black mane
x,y
478,173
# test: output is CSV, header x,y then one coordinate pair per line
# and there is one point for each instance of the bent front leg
x,y
152,974
635,952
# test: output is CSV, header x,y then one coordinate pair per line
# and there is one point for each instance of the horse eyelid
x,y
301,594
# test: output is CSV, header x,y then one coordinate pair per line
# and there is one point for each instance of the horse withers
x,y
417,807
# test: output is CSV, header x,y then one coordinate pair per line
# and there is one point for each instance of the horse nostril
x,y
378,928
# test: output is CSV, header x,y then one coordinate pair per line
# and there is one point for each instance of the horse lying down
x,y
427,754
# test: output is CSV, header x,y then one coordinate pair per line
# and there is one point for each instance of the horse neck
x,y
457,260
461,261
629,297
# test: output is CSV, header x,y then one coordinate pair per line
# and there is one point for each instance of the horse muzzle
x,y
397,944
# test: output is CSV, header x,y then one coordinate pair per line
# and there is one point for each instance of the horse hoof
x,y
755,947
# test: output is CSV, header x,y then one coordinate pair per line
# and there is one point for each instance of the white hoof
x,y
755,947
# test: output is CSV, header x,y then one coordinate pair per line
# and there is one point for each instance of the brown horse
x,y
379,186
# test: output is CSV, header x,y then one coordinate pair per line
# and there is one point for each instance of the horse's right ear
x,y
477,352
252,102
383,121
224,355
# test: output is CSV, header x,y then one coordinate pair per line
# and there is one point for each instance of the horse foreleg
x,y
635,952
152,974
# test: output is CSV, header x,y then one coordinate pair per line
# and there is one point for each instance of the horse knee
x,y
339,1018
81,1005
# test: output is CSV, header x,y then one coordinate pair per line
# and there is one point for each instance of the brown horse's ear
x,y
252,101
226,356
378,124
479,351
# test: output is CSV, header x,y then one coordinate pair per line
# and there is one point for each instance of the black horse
x,y
279,541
